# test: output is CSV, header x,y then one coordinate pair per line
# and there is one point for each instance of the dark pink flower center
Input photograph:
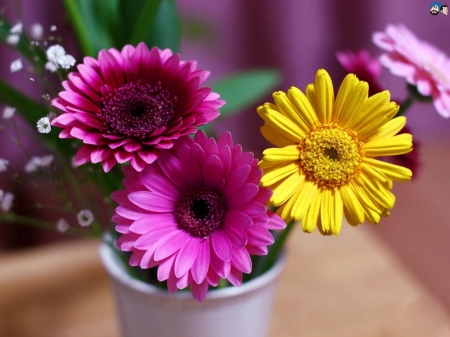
x,y
136,110
200,211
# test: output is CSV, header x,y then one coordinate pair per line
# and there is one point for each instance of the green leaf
x,y
147,15
242,89
95,23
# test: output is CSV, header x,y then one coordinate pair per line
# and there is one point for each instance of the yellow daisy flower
x,y
323,165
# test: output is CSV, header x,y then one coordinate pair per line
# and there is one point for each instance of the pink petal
x,y
237,219
187,256
243,196
221,245
201,264
235,277
151,201
212,171
171,245
236,180
259,236
199,290
237,236
158,184
165,269
147,224
242,261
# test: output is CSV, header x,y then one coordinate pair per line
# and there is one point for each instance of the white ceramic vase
x,y
147,311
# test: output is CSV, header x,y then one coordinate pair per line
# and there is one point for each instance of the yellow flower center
x,y
331,156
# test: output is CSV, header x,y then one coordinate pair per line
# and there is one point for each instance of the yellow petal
x,y
307,193
274,137
347,84
284,126
381,195
274,174
391,171
370,108
373,172
338,211
326,208
286,189
303,105
283,154
362,196
311,96
396,145
376,120
390,129
288,110
353,104
324,96
352,205
311,218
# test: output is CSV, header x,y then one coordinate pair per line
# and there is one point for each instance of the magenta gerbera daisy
x,y
129,104
420,63
197,213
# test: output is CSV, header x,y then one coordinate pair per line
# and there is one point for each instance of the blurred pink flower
x,y
197,213
129,104
420,63
363,66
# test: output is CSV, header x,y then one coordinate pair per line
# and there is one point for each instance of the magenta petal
x,y
257,250
199,290
151,201
201,264
235,277
172,168
220,267
221,245
149,223
165,268
136,257
237,219
243,196
212,171
276,222
171,245
253,209
158,184
150,240
183,281
241,260
259,236
237,236
190,165
236,180
187,256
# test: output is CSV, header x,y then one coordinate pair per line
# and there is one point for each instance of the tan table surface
x,y
350,286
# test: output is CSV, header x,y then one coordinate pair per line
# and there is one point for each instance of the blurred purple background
x,y
299,37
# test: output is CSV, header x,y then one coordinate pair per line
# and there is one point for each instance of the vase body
x,y
148,311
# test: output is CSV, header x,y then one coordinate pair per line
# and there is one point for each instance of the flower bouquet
x,y
131,155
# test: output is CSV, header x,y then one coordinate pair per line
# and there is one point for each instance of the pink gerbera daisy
x,y
197,213
129,104
420,63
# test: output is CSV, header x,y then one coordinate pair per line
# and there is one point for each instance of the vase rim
x,y
113,266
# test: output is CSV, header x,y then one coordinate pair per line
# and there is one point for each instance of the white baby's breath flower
x,y
12,39
62,225
8,112
55,52
53,28
33,164
17,28
66,61
43,125
3,165
6,201
85,217
36,31
51,66
16,66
